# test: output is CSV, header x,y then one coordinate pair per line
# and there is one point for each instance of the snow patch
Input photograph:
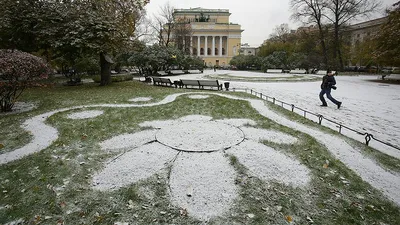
x,y
203,184
205,136
132,166
128,140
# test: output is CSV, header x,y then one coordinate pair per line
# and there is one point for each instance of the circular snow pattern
x,y
206,136
140,99
85,114
198,96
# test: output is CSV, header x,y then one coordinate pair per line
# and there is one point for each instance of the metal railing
x,y
367,136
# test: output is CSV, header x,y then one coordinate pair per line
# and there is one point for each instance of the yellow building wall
x,y
218,25
233,43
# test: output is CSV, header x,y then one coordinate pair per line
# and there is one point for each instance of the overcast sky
x,y
258,18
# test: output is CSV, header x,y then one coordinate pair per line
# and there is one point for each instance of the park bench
x,y
187,83
201,83
298,71
176,72
156,80
210,83
166,81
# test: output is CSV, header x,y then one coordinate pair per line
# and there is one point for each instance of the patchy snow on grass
x,y
128,140
140,99
85,114
203,137
132,166
271,165
203,184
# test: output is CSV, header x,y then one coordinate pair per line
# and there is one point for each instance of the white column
x,y
220,45
198,45
213,46
205,45
191,45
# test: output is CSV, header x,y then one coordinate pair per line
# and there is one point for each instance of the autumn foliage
x,y
18,71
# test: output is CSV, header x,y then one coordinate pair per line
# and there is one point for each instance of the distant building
x,y
365,30
360,32
246,49
214,38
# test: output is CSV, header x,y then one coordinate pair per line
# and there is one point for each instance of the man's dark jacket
x,y
328,82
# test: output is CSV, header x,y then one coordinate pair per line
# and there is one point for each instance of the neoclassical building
x,y
213,37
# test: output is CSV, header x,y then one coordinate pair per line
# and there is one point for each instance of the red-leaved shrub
x,y
18,71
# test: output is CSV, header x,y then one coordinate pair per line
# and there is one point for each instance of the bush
x,y
117,78
18,71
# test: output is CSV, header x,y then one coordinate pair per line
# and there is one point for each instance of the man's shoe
x,y
338,105
323,105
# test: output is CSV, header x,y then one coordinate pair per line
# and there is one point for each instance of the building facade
x,y
365,30
246,49
213,37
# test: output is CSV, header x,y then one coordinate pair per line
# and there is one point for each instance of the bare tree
x,y
281,33
182,34
311,12
163,25
341,12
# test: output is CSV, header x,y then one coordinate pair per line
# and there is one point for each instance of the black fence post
x,y
320,117
368,138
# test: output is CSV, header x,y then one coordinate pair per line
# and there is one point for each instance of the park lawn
x,y
54,185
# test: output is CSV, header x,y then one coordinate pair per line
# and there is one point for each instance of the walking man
x,y
328,83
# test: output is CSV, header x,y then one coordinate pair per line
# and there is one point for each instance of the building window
x,y
201,51
216,51
223,51
194,51
208,51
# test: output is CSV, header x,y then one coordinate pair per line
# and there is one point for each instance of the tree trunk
x,y
323,45
105,70
337,48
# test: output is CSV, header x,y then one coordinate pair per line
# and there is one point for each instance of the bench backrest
x,y
190,82
156,79
165,80
213,83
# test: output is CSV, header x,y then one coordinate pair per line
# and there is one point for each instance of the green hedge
x,y
115,78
